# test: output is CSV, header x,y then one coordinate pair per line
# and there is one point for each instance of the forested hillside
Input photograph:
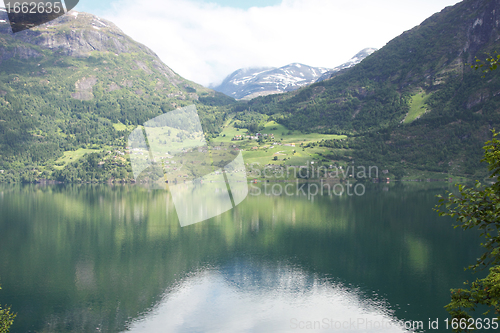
x,y
79,84
414,103
73,89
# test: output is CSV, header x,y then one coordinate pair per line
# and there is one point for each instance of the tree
x,y
478,207
6,319
492,63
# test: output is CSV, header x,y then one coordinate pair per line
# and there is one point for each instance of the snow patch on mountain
x,y
248,83
351,63
245,82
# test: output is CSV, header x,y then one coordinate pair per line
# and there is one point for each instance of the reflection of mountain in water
x,y
81,257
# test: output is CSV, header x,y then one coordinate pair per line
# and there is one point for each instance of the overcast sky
x,y
204,41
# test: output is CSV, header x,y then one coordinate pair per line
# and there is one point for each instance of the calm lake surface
x,y
112,259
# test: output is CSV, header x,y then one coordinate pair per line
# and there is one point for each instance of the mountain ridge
x,y
358,57
248,83
78,83
415,102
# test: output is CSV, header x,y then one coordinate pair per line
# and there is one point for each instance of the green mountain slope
x,y
414,103
72,90
78,84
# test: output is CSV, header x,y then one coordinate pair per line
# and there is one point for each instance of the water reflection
x,y
257,297
94,258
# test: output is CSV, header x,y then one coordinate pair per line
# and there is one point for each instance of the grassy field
x,y
121,127
280,132
296,156
164,139
72,156
228,134
265,155
417,107
266,152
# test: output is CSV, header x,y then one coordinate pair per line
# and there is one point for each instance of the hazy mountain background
x,y
248,83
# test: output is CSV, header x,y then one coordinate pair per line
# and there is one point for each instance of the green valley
x,y
70,95
415,103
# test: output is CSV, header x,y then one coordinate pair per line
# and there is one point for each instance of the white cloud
x,y
282,301
205,42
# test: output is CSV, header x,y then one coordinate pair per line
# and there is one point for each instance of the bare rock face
x,y
113,87
144,67
77,34
83,89
128,83
483,28
94,56
21,52
26,53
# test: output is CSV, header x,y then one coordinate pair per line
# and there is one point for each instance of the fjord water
x,y
93,258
